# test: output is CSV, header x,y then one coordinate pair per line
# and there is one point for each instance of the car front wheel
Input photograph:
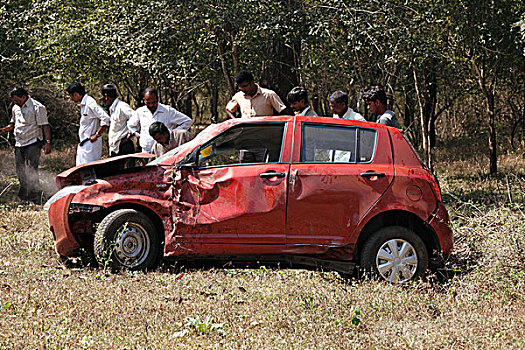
x,y
395,254
126,238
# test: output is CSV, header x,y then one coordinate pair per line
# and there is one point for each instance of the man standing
x,y
119,136
29,118
152,112
298,100
339,106
375,99
166,140
93,121
253,100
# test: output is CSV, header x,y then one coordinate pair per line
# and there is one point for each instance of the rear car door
x,y
237,193
337,175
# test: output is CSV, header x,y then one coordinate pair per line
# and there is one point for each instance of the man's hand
x,y
8,128
47,148
230,114
137,135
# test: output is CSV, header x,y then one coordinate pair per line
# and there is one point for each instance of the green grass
x,y
479,304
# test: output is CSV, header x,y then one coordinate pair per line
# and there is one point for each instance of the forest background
x,y
454,70
455,75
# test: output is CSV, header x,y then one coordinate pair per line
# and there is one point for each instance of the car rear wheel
x,y
395,254
126,238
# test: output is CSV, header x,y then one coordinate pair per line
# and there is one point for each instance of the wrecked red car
x,y
322,191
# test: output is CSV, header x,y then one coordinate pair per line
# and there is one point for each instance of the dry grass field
x,y
480,303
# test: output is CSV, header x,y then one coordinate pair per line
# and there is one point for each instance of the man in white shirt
x,y
298,100
339,106
29,119
119,136
152,112
93,121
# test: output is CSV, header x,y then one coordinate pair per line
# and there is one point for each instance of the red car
x,y
322,191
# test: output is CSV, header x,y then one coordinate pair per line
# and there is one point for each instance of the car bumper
x,y
65,243
440,222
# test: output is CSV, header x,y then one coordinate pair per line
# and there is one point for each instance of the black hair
x,y
297,94
19,91
244,76
339,96
109,90
375,93
157,128
151,91
76,87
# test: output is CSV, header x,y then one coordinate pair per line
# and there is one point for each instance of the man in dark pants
x,y
29,119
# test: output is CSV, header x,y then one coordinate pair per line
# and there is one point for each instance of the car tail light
x,y
435,188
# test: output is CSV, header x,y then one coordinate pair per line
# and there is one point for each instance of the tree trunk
x,y
188,104
493,153
224,66
424,119
214,103
279,72
488,88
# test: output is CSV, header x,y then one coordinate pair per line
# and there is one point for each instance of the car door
x,y
237,193
338,175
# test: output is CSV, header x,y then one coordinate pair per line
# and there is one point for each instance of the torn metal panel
x,y
87,173
230,204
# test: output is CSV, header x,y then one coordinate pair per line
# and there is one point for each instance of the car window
x,y
204,133
337,144
241,144
366,144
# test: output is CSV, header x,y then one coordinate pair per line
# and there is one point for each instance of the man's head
x,y
151,99
338,103
159,132
19,96
76,91
244,80
298,98
375,99
109,94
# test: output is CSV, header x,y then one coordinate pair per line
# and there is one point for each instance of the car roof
x,y
288,118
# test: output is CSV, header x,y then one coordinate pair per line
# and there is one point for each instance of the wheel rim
x,y
396,261
132,245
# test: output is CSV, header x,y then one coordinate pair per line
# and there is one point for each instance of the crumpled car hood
x,y
87,173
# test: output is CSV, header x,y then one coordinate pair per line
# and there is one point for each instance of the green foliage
x,y
356,316
423,53
201,326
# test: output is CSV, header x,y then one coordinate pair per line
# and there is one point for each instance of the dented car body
x,y
319,190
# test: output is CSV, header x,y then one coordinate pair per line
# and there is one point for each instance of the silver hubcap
x,y
396,261
132,245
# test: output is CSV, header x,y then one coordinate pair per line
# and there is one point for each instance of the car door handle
x,y
372,173
271,174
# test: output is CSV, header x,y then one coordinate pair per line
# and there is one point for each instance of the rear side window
x,y
247,143
337,144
